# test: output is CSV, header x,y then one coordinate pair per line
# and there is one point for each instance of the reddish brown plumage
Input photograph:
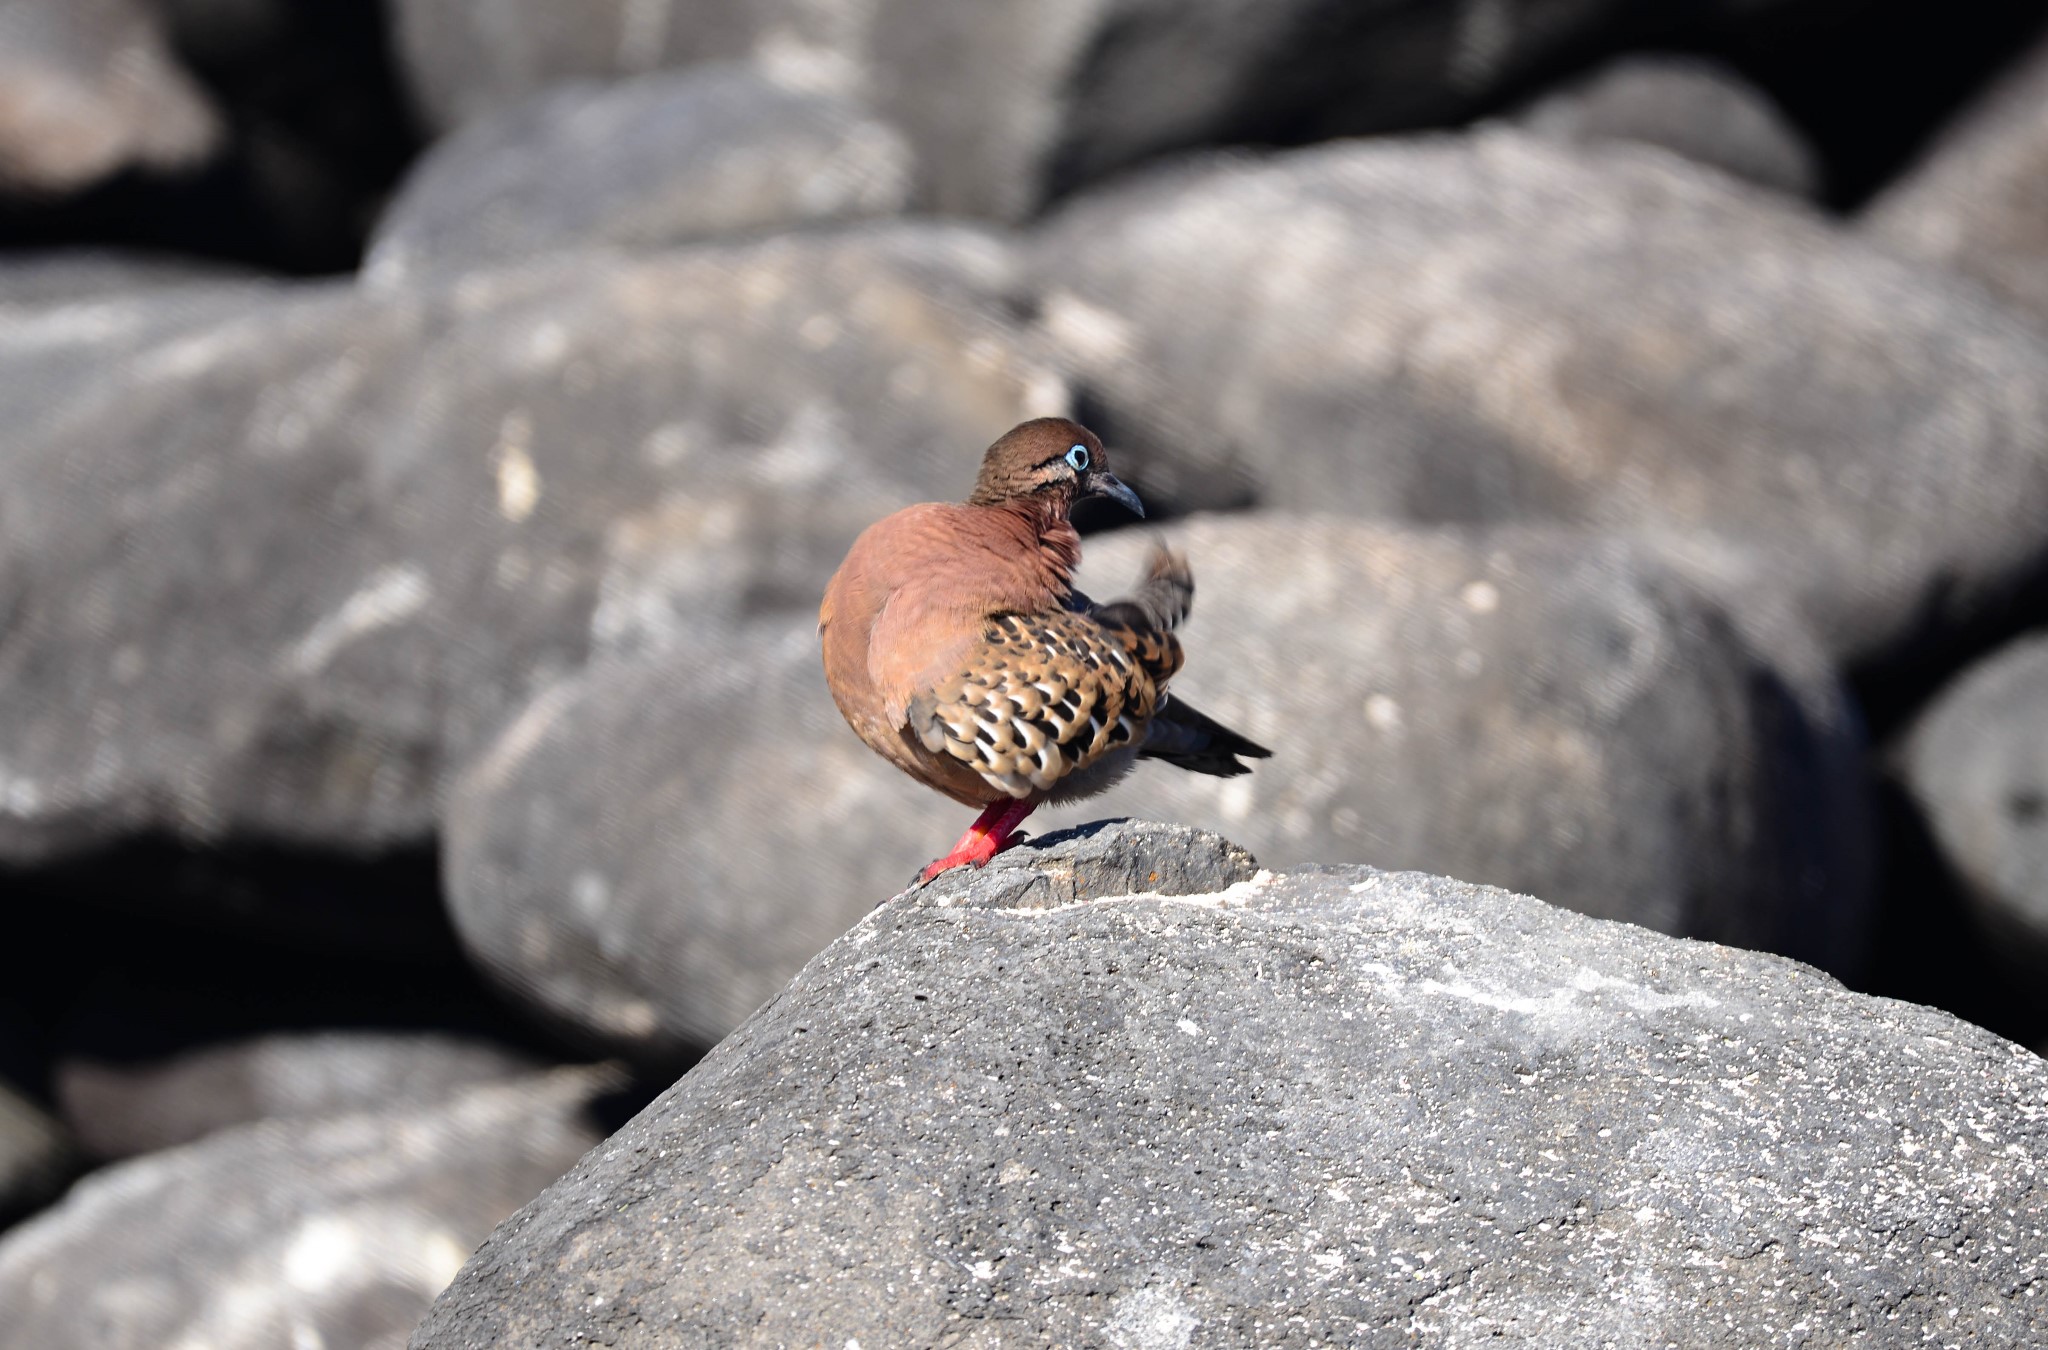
x,y
957,648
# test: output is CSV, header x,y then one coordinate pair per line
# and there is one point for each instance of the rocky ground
x,y
1612,444
1128,1089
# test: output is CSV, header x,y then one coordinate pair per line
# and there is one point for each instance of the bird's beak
x,y
1110,486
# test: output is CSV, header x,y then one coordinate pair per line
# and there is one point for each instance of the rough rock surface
x,y
1691,107
1009,103
1500,327
36,1156
336,1232
655,846
88,88
665,159
1978,199
120,1109
279,567
1332,1106
1977,763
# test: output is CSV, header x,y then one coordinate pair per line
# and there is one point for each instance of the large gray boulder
x,y
92,89
657,844
1052,1104
277,567
1498,327
1692,107
1978,199
661,160
1562,714
119,1108
1976,762
334,1232
1007,104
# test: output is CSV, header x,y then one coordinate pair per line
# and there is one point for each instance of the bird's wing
x,y
1040,696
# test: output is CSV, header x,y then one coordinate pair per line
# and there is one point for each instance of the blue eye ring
x,y
1078,457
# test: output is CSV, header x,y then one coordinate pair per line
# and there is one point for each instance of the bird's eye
x,y
1078,457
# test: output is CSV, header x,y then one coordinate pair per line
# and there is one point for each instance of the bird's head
x,y
1049,459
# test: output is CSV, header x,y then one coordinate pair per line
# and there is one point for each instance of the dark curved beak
x,y
1110,486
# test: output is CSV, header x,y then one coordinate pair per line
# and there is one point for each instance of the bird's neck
x,y
1044,520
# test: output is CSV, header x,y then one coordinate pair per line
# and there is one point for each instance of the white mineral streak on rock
x,y
392,594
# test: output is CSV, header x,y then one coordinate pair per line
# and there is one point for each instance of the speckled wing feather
x,y
1041,696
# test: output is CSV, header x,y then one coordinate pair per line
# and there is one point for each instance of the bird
x,y
957,647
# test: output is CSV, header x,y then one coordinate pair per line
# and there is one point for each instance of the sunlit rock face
x,y
1125,1086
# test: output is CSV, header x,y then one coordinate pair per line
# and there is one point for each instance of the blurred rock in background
x,y
121,1110
659,160
1556,713
1008,105
1978,200
336,1231
1977,764
271,137
32,281
1693,108
1495,327
296,555
92,90
656,846
1620,447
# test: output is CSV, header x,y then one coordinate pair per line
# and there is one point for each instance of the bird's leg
x,y
988,836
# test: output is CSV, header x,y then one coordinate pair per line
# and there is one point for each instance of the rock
x,y
276,572
1692,107
174,527
1562,714
75,276
1978,199
36,1156
1494,327
657,845
661,160
1008,105
1327,1106
622,860
92,90
333,1232
1976,762
119,1109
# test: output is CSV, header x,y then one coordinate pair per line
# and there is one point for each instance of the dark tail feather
x,y
1190,740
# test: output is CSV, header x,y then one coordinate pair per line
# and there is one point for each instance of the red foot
x,y
988,836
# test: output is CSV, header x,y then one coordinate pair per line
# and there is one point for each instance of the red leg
x,y
988,836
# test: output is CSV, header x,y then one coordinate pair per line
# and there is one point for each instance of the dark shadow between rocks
x,y
1930,947
150,948
1871,82
1893,693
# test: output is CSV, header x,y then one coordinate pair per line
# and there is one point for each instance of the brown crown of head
x,y
1049,458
